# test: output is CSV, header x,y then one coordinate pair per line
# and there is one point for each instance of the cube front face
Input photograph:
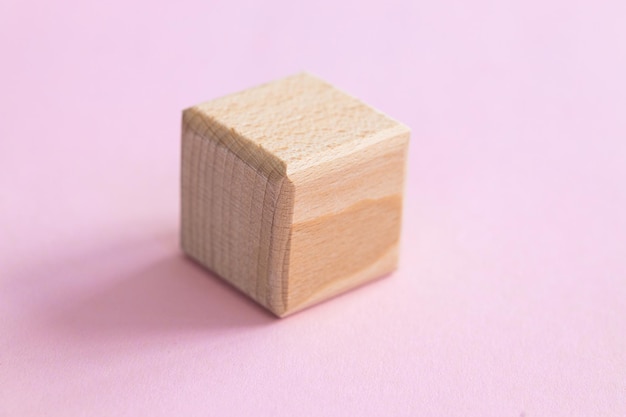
x,y
290,230
346,222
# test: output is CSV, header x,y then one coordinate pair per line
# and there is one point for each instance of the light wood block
x,y
292,191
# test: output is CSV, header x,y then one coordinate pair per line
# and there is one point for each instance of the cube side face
x,y
346,221
235,211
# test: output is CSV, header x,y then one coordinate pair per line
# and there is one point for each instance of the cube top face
x,y
292,191
300,120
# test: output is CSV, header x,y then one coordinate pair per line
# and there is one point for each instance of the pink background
x,y
510,299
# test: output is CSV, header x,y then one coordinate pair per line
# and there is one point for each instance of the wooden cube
x,y
292,191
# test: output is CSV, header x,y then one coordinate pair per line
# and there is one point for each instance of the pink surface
x,y
510,299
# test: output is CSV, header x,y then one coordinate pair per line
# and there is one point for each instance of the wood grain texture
x,y
292,191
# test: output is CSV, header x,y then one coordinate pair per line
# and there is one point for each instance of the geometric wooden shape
x,y
292,191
